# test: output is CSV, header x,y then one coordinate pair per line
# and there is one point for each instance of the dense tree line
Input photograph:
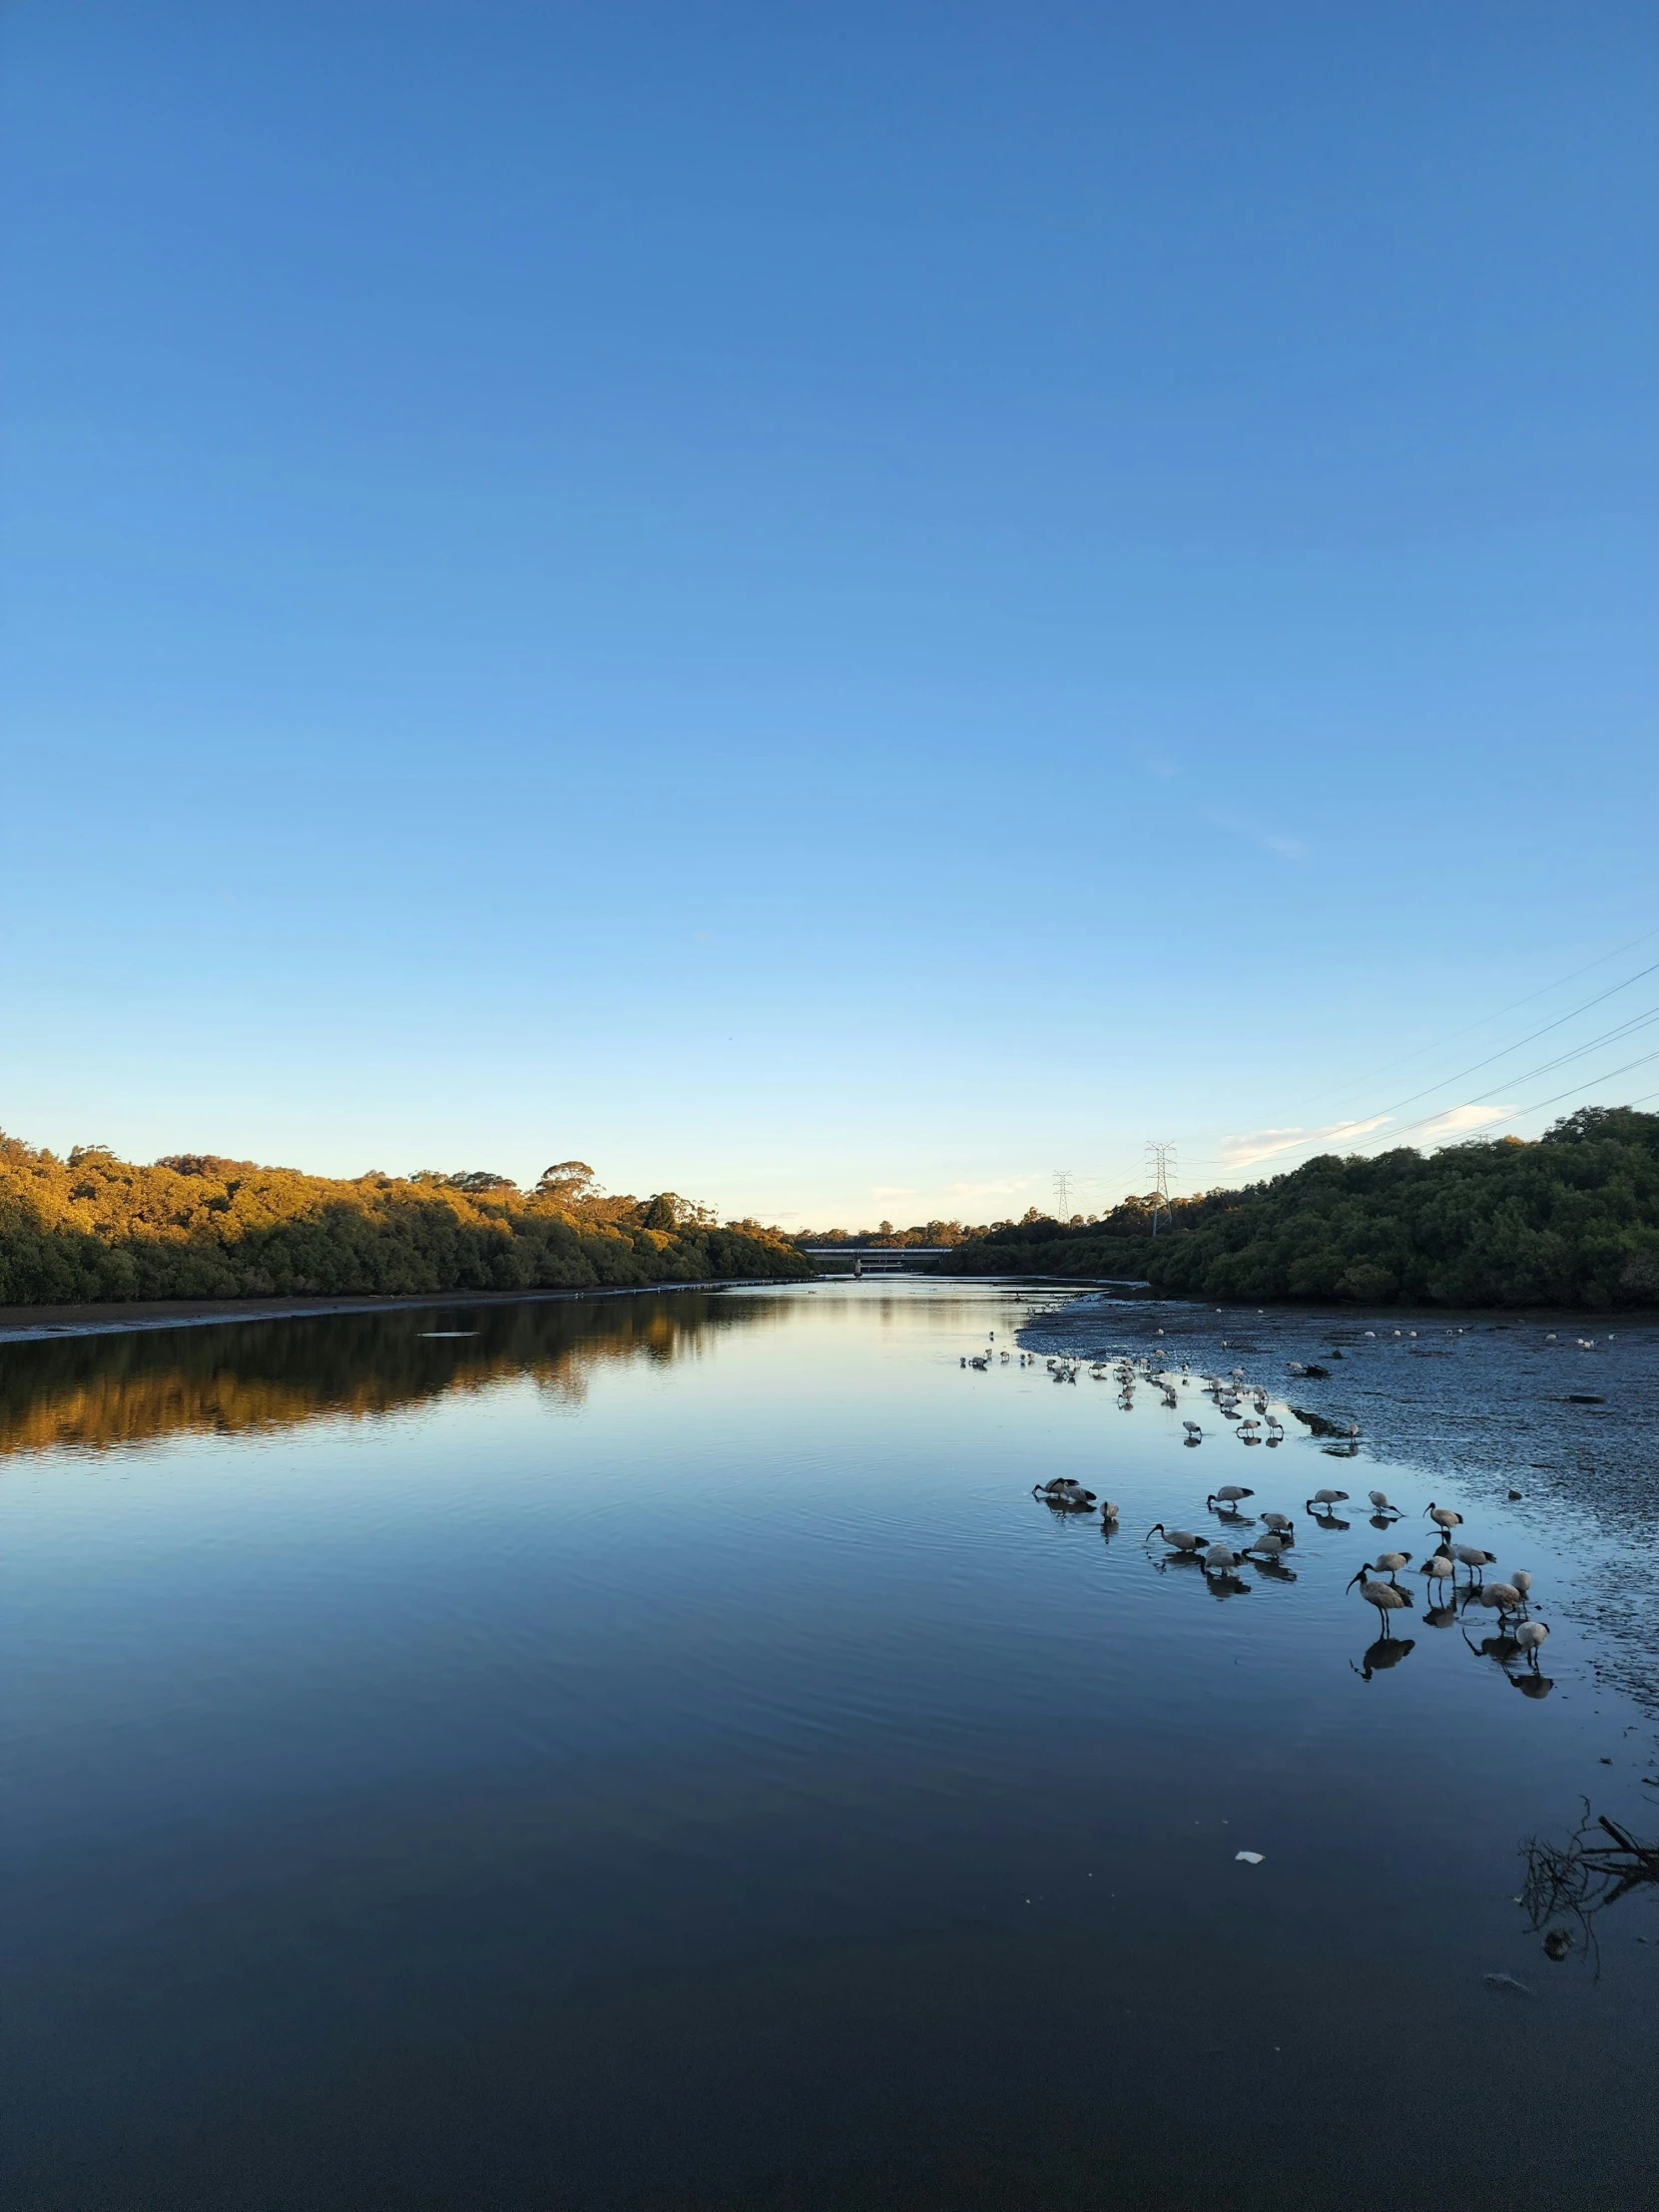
x,y
1569,1220
91,1227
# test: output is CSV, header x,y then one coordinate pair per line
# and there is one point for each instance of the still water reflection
x,y
658,1752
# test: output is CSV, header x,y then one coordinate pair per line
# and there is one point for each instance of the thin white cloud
x,y
1006,1188
1459,1121
1265,1144
893,1190
1270,839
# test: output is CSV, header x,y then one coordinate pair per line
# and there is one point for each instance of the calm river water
x,y
658,1753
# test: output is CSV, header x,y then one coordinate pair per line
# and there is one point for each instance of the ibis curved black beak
x,y
1360,1578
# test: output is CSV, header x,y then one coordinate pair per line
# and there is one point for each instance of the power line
x,y
1532,1038
1116,1178
1485,1020
1392,1135
1064,1179
1545,1067
1538,1105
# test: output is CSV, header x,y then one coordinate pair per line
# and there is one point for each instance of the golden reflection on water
x,y
144,1387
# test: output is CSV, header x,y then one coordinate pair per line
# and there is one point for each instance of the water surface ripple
x,y
659,1753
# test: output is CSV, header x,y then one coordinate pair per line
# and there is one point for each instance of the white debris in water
x,y
1250,1857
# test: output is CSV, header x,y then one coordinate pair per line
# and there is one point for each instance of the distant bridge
x,y
875,1258
890,1259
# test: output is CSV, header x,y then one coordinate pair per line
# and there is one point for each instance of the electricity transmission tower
x,y
1063,1178
1160,1158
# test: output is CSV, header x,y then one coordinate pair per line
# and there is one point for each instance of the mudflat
x,y
186,1313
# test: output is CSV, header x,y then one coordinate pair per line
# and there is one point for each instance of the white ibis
x,y
1531,1636
1388,1597
1443,1517
1268,1546
1280,1523
1178,1540
1325,1498
1108,1511
1195,1434
1501,1597
1220,1559
1473,1557
1063,1491
1380,1503
1439,1568
1229,1494
1390,1563
1523,1581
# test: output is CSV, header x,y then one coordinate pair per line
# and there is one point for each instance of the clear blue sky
x,y
833,606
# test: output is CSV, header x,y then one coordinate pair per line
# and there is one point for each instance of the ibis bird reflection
x,y
1387,1651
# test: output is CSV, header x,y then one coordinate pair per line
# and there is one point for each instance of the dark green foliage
x,y
1571,1220
200,1227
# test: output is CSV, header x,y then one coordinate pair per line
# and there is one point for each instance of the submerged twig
x,y
1580,1878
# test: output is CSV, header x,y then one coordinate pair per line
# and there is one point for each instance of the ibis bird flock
x,y
1454,1564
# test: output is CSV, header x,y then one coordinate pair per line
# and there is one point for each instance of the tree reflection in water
x,y
144,1387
